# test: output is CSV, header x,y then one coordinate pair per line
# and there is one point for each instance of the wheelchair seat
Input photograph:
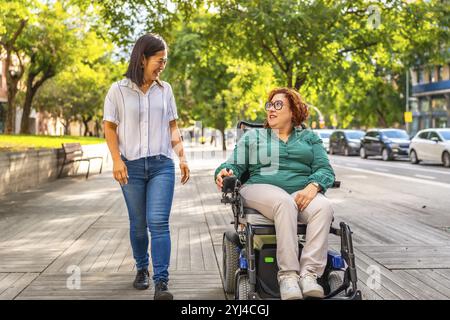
x,y
254,217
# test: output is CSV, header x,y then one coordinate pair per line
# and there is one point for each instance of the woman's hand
x,y
185,172
222,173
305,196
120,172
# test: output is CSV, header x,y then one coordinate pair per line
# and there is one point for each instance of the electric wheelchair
x,y
249,252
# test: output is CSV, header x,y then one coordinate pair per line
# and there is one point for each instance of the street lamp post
x,y
407,98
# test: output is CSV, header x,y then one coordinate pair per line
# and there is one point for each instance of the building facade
x,y
431,97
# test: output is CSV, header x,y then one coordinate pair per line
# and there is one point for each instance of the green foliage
x,y
348,58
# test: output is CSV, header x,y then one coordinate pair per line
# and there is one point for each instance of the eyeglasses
x,y
278,104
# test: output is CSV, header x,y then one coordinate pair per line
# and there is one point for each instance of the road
x,y
400,169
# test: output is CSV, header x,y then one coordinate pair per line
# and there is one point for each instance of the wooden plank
x,y
9,280
119,285
120,253
426,292
108,251
396,283
367,293
75,253
432,280
183,255
209,255
15,288
409,257
195,249
96,249
128,262
174,250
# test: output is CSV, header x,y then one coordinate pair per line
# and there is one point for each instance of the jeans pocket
x,y
123,158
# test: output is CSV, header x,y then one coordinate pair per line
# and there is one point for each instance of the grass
x,y
24,142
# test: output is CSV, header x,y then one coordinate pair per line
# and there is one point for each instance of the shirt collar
x,y
130,84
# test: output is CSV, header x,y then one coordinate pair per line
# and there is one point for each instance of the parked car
x,y
325,134
387,143
431,145
345,142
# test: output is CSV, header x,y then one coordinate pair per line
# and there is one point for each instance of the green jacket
x,y
290,165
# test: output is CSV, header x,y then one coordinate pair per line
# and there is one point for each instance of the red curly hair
x,y
296,104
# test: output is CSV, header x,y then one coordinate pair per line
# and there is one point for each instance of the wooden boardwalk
x,y
47,233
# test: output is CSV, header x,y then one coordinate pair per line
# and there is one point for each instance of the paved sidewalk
x,y
47,233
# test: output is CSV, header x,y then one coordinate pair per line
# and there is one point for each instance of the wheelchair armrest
x,y
229,184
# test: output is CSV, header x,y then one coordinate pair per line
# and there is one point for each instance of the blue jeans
x,y
148,196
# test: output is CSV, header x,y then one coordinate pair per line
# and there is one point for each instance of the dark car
x,y
345,142
387,143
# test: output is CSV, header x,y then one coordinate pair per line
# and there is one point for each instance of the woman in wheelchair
x,y
289,174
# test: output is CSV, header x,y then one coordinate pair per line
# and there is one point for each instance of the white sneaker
x,y
289,288
310,287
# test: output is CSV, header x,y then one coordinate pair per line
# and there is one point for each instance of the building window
x,y
424,105
441,122
431,77
419,75
438,103
440,73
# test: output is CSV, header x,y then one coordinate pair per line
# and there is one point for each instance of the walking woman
x,y
141,132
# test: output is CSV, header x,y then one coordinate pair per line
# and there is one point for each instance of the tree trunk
x,y
11,83
97,128
299,81
86,125
10,115
25,123
12,80
224,145
32,88
66,125
289,77
381,119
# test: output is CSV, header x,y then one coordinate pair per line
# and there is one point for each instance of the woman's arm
x,y
177,145
120,172
238,162
322,172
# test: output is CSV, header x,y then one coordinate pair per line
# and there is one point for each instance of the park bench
x,y
74,153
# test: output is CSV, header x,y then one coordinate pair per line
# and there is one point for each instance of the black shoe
x,y
142,281
162,292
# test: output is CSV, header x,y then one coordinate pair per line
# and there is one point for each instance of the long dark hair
x,y
147,45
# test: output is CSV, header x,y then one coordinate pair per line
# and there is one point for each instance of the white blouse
x,y
142,119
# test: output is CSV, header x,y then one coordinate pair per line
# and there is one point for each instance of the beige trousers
x,y
279,206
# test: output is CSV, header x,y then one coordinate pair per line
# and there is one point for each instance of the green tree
x,y
49,44
77,93
211,85
14,18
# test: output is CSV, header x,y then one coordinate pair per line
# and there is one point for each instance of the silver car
x,y
324,134
431,145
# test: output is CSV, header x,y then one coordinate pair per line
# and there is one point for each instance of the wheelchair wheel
x,y
335,281
243,287
230,264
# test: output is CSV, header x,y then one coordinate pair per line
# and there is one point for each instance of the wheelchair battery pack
x,y
266,266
